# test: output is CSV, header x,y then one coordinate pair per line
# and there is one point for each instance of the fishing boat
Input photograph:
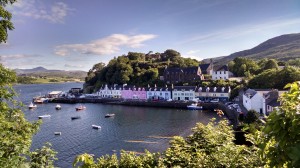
x,y
75,117
44,116
109,115
96,126
81,107
32,106
194,106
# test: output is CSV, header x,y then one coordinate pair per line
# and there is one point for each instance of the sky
x,y
76,34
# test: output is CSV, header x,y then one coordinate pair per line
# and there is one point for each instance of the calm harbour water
x,y
132,128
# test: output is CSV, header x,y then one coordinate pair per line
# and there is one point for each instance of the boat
x,y
32,106
57,133
40,100
81,107
109,115
58,107
194,106
44,116
75,117
96,126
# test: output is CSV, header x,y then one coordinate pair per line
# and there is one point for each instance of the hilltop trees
x,y
243,66
135,69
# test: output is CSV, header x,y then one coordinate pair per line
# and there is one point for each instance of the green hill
x,y
282,48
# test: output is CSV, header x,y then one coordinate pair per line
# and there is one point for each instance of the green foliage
x,y
251,117
281,138
43,157
243,67
25,80
276,79
16,132
5,20
209,146
135,69
271,64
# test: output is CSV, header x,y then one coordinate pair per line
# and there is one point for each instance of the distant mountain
x,y
283,48
41,71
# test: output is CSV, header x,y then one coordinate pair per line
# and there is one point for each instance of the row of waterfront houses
x,y
164,93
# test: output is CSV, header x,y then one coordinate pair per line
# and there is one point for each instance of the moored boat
x,y
81,107
75,117
57,133
44,116
109,115
40,100
58,107
96,126
194,106
32,106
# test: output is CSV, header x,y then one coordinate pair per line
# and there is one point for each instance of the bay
x,y
131,129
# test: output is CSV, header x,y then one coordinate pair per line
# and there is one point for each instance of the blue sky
x,y
76,34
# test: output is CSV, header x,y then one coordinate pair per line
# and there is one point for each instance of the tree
x,y
251,117
16,132
281,141
271,64
5,20
209,146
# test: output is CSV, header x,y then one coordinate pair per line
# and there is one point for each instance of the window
x,y
224,72
182,94
175,94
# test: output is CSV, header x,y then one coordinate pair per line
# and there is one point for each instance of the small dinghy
x,y
96,126
44,116
57,133
109,115
58,107
75,117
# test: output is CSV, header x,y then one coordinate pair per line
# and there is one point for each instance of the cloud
x,y
73,66
56,13
20,60
105,46
242,30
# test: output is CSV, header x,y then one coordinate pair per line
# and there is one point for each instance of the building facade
x,y
132,92
183,92
112,91
160,93
222,73
210,93
176,75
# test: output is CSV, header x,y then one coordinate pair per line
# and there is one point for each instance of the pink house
x,y
133,92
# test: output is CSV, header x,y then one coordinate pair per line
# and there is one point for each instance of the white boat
x,y
44,116
96,126
58,107
31,106
57,133
194,106
109,115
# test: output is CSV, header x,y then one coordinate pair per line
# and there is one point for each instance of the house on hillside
x,y
271,101
158,93
110,91
253,99
176,75
222,73
183,92
205,69
210,93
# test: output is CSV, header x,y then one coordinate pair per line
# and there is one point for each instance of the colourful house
x,y
132,92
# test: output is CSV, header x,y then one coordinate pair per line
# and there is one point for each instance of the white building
x,y
183,93
254,100
221,73
113,91
210,93
161,93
